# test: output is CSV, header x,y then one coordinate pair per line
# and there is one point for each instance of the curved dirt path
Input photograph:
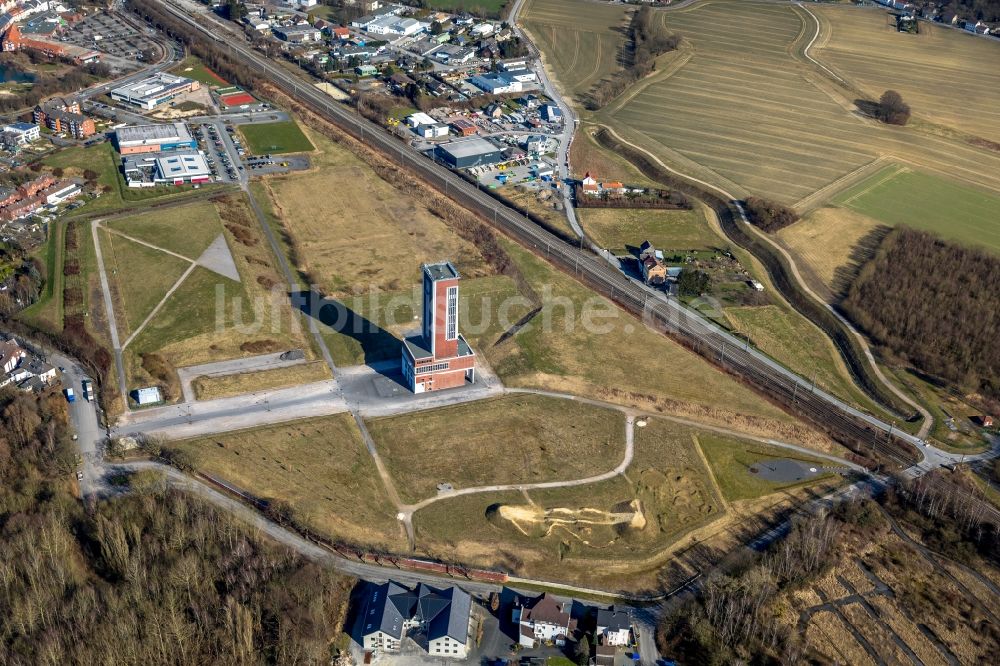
x,y
407,511
610,474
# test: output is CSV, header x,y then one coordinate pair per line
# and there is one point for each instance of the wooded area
x,y
933,304
152,577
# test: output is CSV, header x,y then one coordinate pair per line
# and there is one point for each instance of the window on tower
x,y
451,329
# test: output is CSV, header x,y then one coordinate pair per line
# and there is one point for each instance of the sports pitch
x,y
898,195
275,138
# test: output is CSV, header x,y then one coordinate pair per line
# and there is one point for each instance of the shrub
x,y
892,110
769,215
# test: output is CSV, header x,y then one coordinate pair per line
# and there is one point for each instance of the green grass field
x,y
319,466
514,439
731,460
186,230
275,138
616,229
898,195
140,277
797,344
193,68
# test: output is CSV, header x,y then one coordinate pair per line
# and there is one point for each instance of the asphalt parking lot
x,y
210,140
108,34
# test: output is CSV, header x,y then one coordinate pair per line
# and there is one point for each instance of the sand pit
x,y
528,517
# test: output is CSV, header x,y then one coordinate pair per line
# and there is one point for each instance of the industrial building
x,y
298,34
495,84
153,91
439,357
154,139
181,168
468,152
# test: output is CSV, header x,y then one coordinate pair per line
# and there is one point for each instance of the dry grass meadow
x,y
351,230
210,388
830,245
513,439
319,466
935,70
616,533
622,361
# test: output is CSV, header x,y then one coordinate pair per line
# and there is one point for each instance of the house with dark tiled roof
x,y
439,616
543,620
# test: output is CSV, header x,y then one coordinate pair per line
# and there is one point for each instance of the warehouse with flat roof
x,y
154,90
180,168
469,152
154,138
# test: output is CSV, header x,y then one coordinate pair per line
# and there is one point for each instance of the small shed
x,y
148,396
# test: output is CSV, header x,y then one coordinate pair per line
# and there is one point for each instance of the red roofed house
x,y
543,620
341,32
439,357
590,185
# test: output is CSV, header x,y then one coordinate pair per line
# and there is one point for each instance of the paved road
x,y
110,310
570,120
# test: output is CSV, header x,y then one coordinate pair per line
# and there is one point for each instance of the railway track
x,y
865,433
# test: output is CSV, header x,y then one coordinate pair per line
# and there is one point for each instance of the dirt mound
x,y
582,523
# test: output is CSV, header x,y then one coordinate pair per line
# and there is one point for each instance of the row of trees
x,y
931,303
769,215
648,41
154,577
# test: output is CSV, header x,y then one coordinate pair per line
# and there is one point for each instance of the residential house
x,y
493,111
61,115
551,113
10,355
614,627
589,185
543,620
651,264
441,616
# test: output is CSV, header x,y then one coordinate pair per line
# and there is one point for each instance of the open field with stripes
x,y
900,195
932,70
582,41
747,112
